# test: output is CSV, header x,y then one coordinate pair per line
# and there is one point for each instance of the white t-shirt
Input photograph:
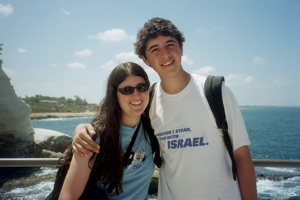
x,y
196,162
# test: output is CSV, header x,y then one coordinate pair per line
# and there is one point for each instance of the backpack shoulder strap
x,y
151,93
146,121
213,93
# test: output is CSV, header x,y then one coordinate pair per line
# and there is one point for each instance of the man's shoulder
x,y
198,79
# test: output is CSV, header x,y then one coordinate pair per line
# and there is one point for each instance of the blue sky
x,y
68,47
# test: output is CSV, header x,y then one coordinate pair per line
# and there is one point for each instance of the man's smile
x,y
168,63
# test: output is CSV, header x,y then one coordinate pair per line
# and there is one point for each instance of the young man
x,y
196,164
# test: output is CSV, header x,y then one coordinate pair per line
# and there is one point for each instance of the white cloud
x,y
85,52
21,50
6,9
121,58
204,71
128,57
76,65
249,79
280,81
114,35
185,60
65,11
258,60
239,79
9,72
109,65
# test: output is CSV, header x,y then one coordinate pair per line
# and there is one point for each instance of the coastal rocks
x,y
15,119
59,115
50,144
11,147
18,139
16,132
26,182
46,144
274,177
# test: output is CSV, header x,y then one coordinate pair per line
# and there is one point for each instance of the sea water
x,y
274,133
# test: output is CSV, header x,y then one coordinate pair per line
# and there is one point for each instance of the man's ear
x,y
145,60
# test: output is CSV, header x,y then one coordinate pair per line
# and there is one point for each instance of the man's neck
x,y
176,84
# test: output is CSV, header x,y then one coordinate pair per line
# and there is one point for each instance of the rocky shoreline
x,y
61,115
26,182
32,180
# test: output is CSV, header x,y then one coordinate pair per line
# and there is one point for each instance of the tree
x,y
78,100
85,102
62,100
70,101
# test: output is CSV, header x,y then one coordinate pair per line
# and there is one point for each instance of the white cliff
x,y
18,139
15,118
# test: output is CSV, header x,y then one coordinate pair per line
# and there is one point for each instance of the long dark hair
x,y
108,165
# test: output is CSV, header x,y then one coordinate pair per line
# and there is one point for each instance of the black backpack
x,y
213,93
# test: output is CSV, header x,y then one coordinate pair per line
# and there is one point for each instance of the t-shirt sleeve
x,y
236,125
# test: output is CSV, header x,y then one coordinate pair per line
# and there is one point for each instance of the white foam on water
x,y
267,189
46,170
36,192
279,189
279,169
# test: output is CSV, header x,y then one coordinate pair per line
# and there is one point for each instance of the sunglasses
x,y
141,87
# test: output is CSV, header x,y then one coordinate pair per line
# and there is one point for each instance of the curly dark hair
x,y
152,29
108,166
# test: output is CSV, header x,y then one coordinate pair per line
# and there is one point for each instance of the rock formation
x,y
15,122
18,139
15,119
50,144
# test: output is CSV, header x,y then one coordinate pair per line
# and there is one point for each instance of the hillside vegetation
x,y
40,103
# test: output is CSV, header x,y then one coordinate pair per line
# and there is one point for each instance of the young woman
x,y
119,116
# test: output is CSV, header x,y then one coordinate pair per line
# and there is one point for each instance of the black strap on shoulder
x,y
213,92
147,124
153,140
151,92
127,161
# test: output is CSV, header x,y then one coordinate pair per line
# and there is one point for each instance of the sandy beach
x,y
57,115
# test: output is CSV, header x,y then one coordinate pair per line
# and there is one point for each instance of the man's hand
x,y
82,142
